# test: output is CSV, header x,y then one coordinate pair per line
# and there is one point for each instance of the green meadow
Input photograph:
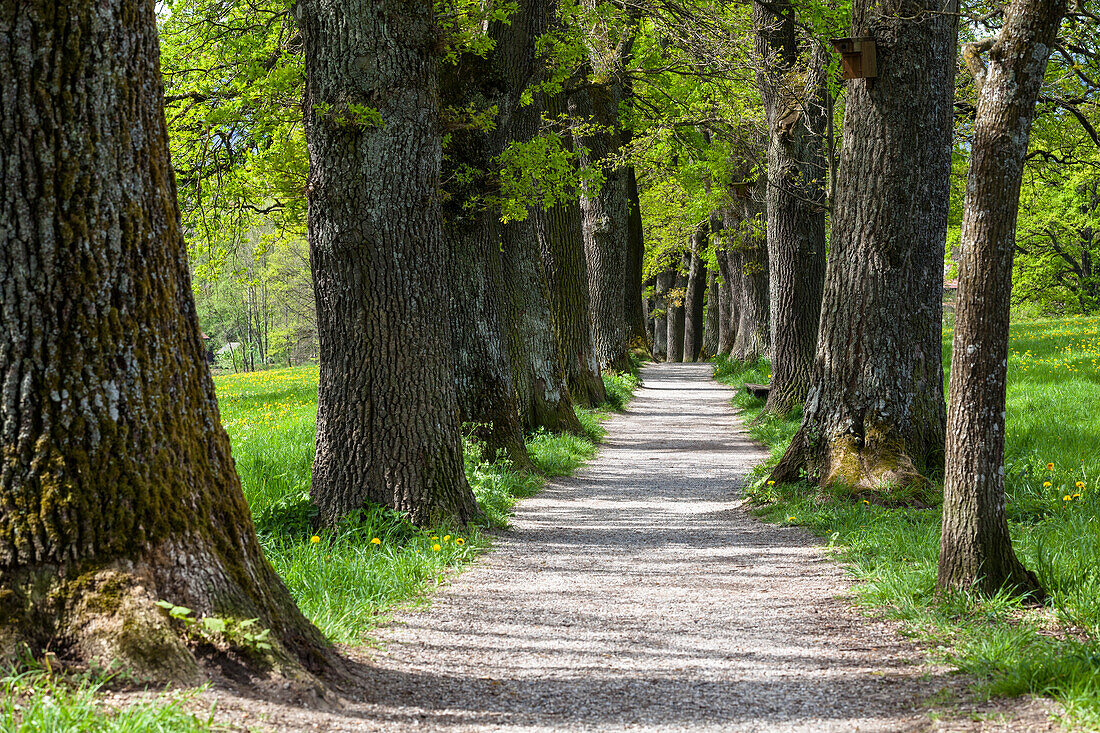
x,y
1053,492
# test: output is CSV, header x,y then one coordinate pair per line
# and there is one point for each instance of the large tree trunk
x,y
665,281
748,257
693,297
976,549
387,417
483,368
675,328
606,222
793,92
563,256
875,411
118,489
544,398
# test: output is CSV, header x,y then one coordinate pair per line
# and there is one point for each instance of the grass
x,y
1053,391
37,702
344,581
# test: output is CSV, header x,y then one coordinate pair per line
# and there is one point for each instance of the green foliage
x,y
1054,382
37,701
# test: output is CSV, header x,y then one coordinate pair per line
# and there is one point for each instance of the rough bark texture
x,y
483,369
636,335
606,222
791,81
563,256
387,418
710,330
729,300
117,488
875,412
748,257
976,549
693,298
665,281
544,398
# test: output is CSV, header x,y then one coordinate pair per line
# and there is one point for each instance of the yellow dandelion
x,y
771,483
790,519
435,537
315,539
446,537
436,547
459,541
1050,466
1067,497
376,541
1046,484
1076,496
867,502
1080,484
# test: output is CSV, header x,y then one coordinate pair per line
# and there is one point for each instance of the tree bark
x,y
676,311
471,224
729,299
118,489
976,548
693,297
748,257
710,330
544,398
636,335
793,91
563,256
387,418
606,222
875,412
662,307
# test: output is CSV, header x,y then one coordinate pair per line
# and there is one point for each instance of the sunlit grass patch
x,y
348,579
1053,479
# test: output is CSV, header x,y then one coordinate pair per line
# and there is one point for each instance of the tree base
x,y
109,619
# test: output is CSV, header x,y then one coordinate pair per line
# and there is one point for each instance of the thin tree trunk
x,y
875,412
662,307
635,256
387,418
710,331
693,297
118,489
976,549
563,255
793,91
676,311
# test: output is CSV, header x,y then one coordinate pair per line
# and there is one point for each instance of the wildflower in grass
x,y
376,541
459,541
435,537
1067,497
867,502
1046,484
1076,496
436,547
1080,484
1050,466
446,537
315,539
790,519
771,483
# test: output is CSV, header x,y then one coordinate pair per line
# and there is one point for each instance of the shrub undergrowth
x,y
1053,493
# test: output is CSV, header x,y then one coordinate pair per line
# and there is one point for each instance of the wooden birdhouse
x,y
857,57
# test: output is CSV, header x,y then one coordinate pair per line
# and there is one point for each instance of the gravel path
x,y
637,594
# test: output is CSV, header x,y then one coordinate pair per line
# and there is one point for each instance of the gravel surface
x,y
638,594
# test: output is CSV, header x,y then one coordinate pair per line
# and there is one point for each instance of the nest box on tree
x,y
857,57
